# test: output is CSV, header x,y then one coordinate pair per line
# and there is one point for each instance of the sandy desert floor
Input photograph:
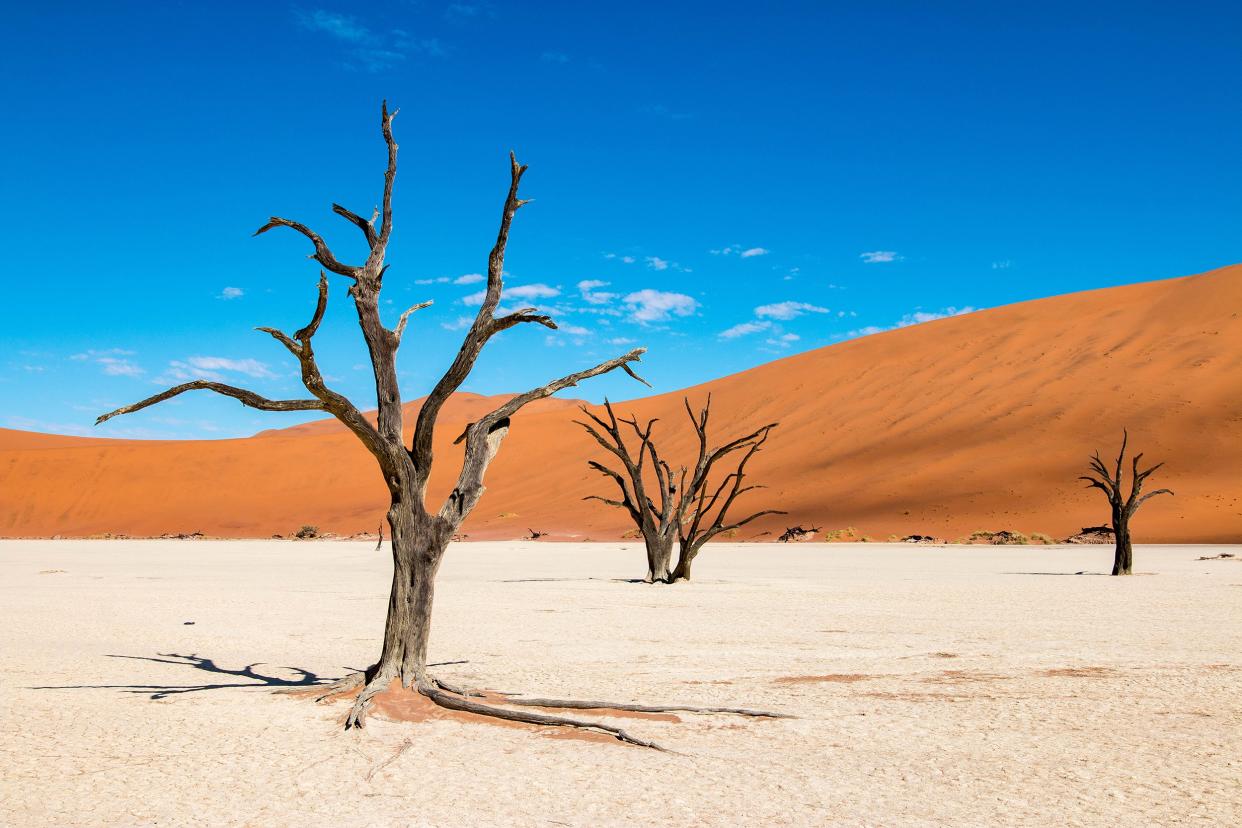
x,y
946,685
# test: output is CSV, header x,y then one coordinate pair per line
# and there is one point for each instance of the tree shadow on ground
x,y
1054,573
252,678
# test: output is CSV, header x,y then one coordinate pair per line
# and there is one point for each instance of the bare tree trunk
x,y
417,550
1123,554
659,557
685,561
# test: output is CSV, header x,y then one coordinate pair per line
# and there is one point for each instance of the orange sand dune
x,y
974,422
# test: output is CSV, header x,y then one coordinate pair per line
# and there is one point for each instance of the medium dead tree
x,y
418,536
1123,506
689,512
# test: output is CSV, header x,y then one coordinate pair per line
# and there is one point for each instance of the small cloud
x,y
440,280
575,330
656,263
744,329
915,318
751,252
782,341
535,291
369,50
458,324
876,256
620,340
788,310
587,288
554,57
919,317
650,305
340,26
620,258
1003,265
249,367
468,279
744,252
112,361
232,293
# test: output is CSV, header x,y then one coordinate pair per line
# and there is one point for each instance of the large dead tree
x,y
1123,506
418,536
689,511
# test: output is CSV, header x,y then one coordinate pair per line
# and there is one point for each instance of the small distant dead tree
x,y
535,535
1123,506
417,535
689,511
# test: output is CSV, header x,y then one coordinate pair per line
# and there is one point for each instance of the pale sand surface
x,y
943,709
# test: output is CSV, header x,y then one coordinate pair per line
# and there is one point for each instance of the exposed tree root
x,y
455,702
358,713
462,699
573,704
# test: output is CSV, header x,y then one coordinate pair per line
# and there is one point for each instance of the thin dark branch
x,y
367,227
322,254
248,398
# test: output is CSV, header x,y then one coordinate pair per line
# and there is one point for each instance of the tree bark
x,y
659,557
685,561
418,546
1123,554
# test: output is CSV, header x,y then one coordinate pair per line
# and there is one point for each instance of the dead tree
x,y
1123,506
418,536
689,511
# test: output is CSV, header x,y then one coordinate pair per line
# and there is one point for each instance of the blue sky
x,y
724,184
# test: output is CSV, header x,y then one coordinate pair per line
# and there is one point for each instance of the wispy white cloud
x,y
651,305
458,324
919,316
787,310
745,329
620,258
554,57
112,361
587,287
340,26
535,291
878,256
369,50
468,279
739,250
1002,265
914,318
232,293
782,341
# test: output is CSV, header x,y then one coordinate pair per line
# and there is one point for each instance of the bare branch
x,y
320,306
322,254
390,174
248,398
367,227
479,333
283,339
627,369
400,329
483,437
1150,495
518,317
